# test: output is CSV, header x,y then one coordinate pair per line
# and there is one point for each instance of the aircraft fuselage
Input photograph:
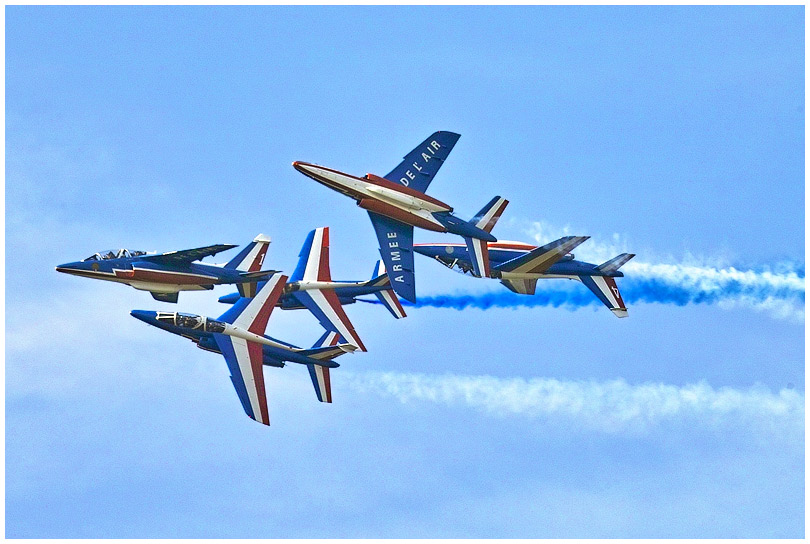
x,y
274,352
346,291
394,200
452,255
149,276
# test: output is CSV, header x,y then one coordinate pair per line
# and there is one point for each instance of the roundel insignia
x,y
95,267
449,249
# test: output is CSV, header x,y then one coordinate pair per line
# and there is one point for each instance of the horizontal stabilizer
x,y
258,275
325,354
539,260
521,286
615,263
255,281
164,297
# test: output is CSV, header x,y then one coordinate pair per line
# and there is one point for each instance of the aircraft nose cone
x,y
68,268
144,315
305,168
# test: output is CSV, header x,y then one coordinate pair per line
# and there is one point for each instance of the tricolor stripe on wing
x,y
325,305
245,363
255,315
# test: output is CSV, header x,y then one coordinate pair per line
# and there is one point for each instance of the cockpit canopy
x,y
114,254
190,321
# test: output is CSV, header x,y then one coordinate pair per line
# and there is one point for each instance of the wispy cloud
x,y
610,407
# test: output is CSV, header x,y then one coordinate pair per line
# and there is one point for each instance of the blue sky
x,y
673,133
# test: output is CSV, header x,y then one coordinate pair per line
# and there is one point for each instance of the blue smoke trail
x,y
681,286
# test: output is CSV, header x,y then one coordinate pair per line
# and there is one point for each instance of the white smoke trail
x,y
778,291
711,278
612,406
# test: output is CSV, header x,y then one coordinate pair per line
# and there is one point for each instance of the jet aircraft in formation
x,y
396,204
238,335
520,265
166,274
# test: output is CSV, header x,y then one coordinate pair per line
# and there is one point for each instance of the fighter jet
x,y
397,203
311,287
238,335
166,274
520,265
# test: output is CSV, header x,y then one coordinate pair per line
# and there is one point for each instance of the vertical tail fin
x,y
379,270
479,256
420,165
313,259
387,297
606,290
250,259
489,214
321,380
379,277
391,302
313,266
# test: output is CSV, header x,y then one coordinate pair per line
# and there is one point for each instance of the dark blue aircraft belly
x,y
456,225
579,268
346,293
496,256
206,342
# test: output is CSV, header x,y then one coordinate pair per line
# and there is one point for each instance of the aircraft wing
x,y
396,249
420,165
540,259
325,306
313,266
245,363
521,286
186,256
245,358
